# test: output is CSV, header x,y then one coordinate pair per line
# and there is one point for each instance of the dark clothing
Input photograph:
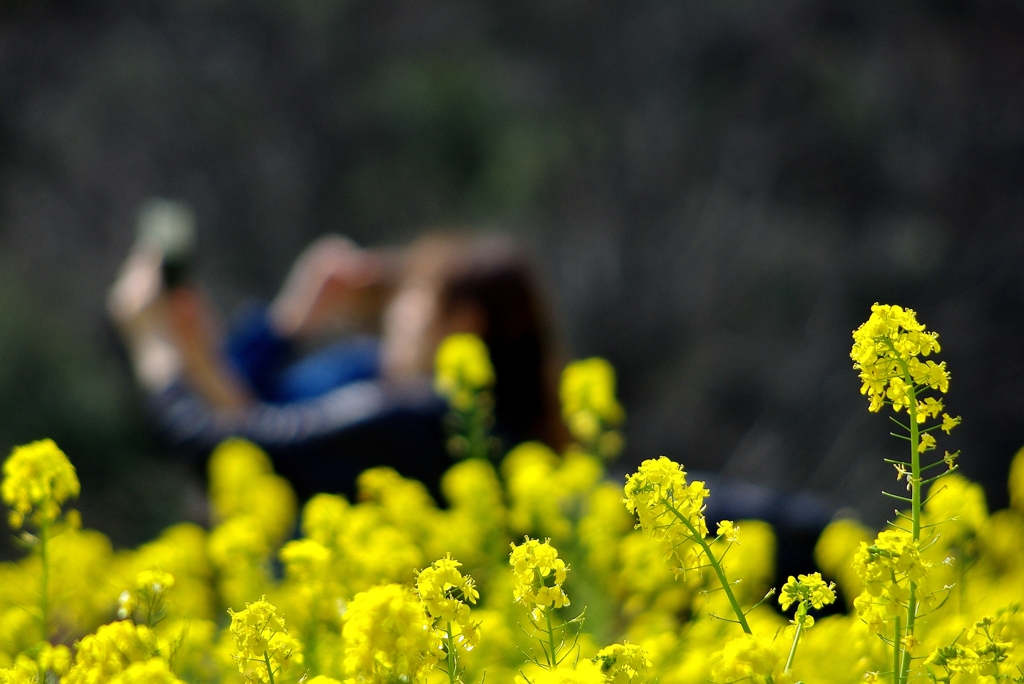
x,y
322,444
323,418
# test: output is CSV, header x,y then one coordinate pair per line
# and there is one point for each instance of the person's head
x,y
483,285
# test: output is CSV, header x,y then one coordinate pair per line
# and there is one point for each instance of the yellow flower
x,y
956,502
445,591
585,672
589,385
151,587
243,483
728,530
305,560
885,350
587,394
746,657
669,508
539,574
324,518
462,368
810,588
108,652
623,663
388,636
237,542
949,422
261,641
152,671
929,408
38,479
53,661
887,568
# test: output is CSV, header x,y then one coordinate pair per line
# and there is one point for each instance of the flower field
x,y
538,570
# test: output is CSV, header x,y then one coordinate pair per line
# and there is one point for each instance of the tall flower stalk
x,y
447,594
672,510
538,574
38,479
464,376
888,350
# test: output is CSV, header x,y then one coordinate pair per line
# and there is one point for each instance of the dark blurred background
x,y
715,191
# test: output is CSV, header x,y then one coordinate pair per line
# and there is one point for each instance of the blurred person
x,y
325,413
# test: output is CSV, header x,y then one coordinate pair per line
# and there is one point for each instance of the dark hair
x,y
493,275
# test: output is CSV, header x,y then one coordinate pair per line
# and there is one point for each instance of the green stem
x,y
44,608
270,672
915,467
451,655
915,494
699,538
911,614
552,661
801,613
896,668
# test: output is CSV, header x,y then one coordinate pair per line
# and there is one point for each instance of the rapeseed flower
x,y
388,637
152,671
38,479
352,622
243,483
747,657
445,591
891,569
263,646
589,405
669,508
305,561
808,588
462,369
148,596
585,672
885,351
113,648
623,663
464,376
539,574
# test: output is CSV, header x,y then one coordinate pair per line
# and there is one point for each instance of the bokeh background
x,y
715,192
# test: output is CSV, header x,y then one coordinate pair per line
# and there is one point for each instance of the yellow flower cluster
x,y
590,407
38,479
891,569
747,657
354,613
388,636
110,651
546,489
809,591
670,508
446,591
886,351
539,575
151,587
463,368
367,603
264,647
623,663
810,588
464,377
